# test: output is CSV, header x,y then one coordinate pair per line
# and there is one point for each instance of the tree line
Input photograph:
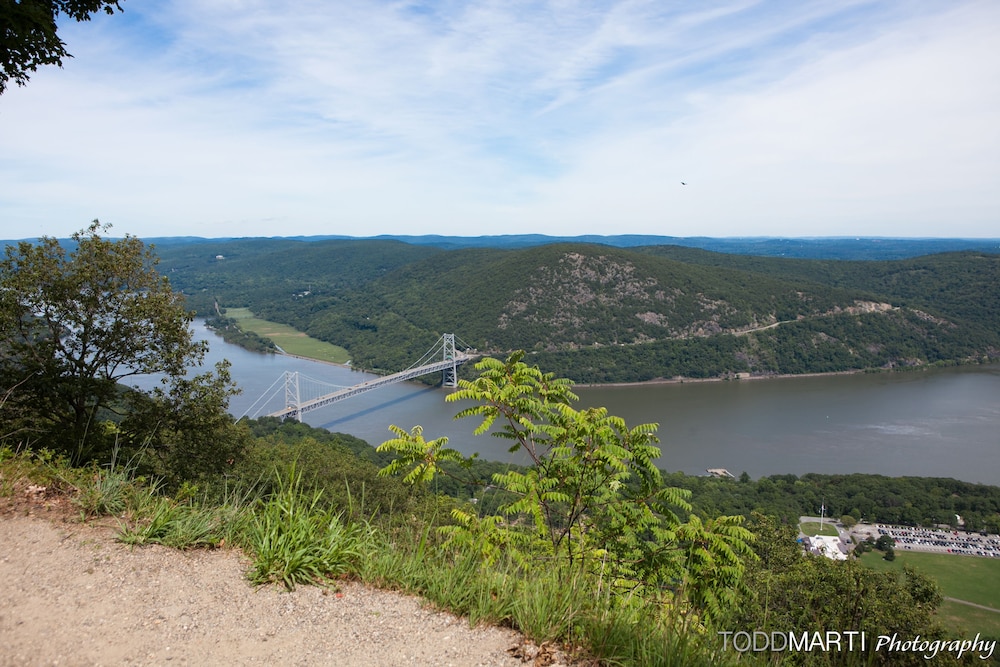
x,y
231,332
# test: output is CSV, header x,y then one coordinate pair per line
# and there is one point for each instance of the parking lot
x,y
932,540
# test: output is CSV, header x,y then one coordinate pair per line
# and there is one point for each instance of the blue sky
x,y
266,118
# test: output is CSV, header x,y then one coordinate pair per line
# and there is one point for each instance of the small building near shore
x,y
826,545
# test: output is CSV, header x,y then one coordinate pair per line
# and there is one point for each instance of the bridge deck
x,y
349,392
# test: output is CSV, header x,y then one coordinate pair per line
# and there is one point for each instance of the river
x,y
935,423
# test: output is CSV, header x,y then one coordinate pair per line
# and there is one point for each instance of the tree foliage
x,y
29,33
182,432
342,467
74,324
925,501
592,504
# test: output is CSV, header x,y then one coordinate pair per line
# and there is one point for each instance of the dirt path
x,y
70,595
974,604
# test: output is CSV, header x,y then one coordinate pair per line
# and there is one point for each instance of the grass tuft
x,y
294,541
548,608
108,492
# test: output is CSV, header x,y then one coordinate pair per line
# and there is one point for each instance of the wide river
x,y
938,423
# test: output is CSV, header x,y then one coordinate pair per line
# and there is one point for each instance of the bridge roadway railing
x,y
349,392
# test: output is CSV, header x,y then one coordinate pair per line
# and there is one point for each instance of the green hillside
x,y
959,284
253,271
597,313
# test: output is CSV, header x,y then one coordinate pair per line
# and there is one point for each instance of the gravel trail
x,y
71,595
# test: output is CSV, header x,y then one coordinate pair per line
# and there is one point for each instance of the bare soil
x,y
71,595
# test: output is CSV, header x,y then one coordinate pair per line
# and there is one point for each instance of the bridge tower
x,y
292,396
450,375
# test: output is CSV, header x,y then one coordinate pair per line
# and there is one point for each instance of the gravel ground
x,y
71,595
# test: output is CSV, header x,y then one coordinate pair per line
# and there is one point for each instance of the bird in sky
x,y
683,183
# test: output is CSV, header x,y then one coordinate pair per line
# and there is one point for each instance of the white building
x,y
826,545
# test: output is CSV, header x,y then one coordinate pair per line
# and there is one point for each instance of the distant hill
x,y
866,248
252,270
871,248
813,248
602,313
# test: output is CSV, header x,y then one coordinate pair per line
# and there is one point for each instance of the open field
x,y
288,339
814,528
955,616
969,578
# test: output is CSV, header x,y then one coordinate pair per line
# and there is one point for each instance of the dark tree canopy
x,y
29,33
73,325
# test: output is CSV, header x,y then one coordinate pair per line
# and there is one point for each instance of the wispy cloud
x,y
232,117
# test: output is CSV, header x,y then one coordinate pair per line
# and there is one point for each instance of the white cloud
x,y
891,136
250,118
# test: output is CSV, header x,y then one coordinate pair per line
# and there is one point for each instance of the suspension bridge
x,y
303,393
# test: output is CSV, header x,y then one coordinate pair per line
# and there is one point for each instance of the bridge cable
x,y
268,395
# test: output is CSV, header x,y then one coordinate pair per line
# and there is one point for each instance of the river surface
x,y
937,423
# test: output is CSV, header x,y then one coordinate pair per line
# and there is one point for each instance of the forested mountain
x,y
958,284
597,313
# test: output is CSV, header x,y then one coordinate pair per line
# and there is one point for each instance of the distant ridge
x,y
806,247
863,247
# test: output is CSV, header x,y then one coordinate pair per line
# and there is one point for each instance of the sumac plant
x,y
592,505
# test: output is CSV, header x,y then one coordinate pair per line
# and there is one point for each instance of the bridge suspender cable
x,y
449,361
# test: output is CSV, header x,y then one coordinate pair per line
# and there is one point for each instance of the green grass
x,y
289,339
814,528
969,620
294,541
543,606
968,578
172,524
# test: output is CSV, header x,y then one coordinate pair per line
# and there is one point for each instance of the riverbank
x,y
747,378
660,381
657,381
288,339
744,377
298,345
